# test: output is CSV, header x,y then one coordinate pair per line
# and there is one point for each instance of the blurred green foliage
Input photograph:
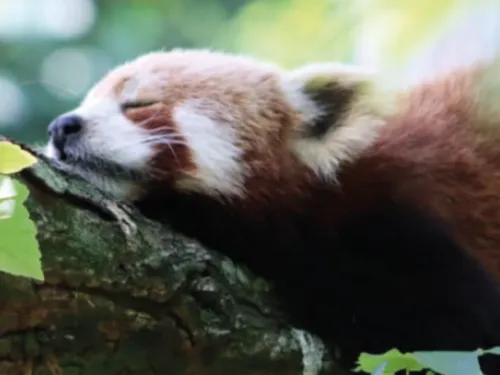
x,y
42,68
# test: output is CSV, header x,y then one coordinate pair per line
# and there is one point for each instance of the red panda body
x,y
441,155
378,228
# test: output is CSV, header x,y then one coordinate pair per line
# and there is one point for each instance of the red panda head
x,y
211,122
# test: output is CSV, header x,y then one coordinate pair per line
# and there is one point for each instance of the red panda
x,y
376,215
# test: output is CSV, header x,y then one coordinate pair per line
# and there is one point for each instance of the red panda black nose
x,y
63,128
65,125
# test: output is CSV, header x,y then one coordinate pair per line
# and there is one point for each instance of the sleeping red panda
x,y
376,216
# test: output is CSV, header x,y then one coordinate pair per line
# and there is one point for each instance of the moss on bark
x,y
125,296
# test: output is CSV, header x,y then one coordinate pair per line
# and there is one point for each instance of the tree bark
x,y
126,296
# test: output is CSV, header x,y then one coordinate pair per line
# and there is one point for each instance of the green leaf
x,y
444,362
380,369
495,350
19,251
13,158
394,361
452,363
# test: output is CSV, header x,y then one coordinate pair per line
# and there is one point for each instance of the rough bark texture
x,y
124,296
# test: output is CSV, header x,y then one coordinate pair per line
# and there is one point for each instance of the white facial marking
x,y
216,154
109,136
116,188
50,151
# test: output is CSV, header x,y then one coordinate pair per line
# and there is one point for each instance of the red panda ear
x,y
327,95
342,108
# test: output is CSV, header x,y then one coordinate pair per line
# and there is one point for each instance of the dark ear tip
x,y
332,92
333,99
333,102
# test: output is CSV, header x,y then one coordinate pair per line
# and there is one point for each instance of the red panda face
x,y
210,122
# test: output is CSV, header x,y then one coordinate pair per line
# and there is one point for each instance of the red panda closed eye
x,y
375,215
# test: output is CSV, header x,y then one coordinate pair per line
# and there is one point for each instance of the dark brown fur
x,y
432,155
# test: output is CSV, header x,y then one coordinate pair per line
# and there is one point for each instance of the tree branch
x,y
124,295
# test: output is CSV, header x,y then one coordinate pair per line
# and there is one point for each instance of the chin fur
x,y
121,184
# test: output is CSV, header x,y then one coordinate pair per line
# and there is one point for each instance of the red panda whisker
x,y
173,153
165,132
143,141
159,129
173,133
170,142
168,131
149,119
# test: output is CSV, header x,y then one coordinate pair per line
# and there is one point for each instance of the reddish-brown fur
x,y
432,154
168,162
